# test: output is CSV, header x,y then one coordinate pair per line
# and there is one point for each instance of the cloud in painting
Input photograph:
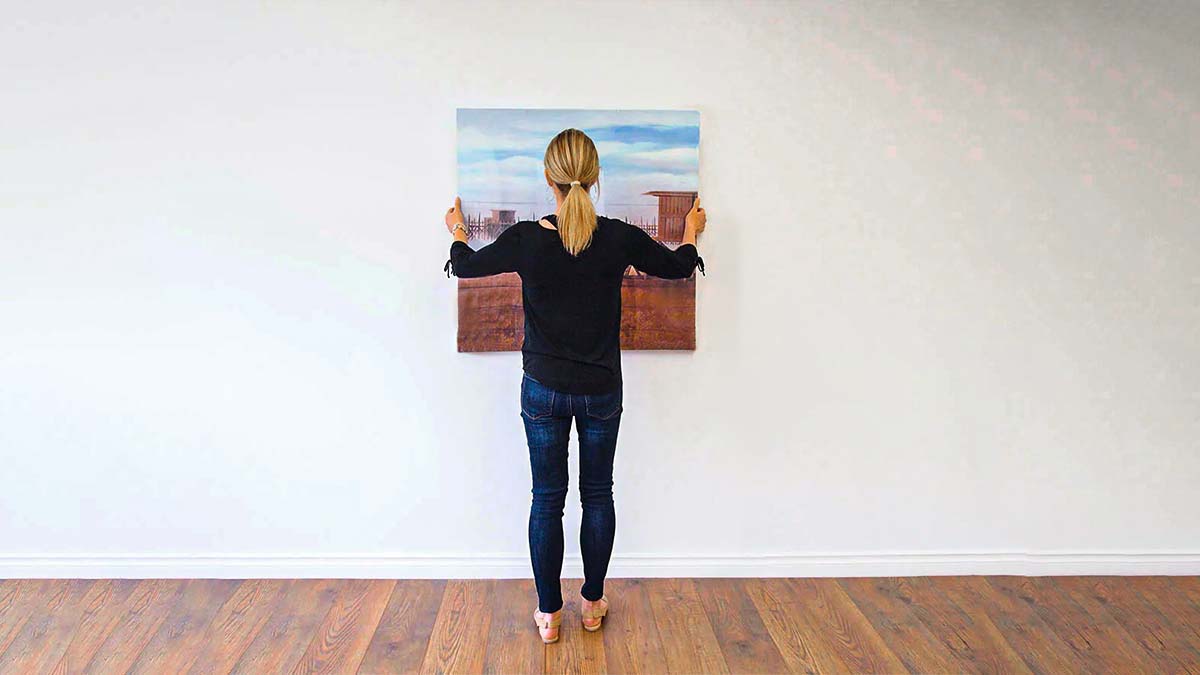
x,y
669,160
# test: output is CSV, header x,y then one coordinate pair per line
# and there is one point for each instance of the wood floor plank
x,y
1188,586
632,643
12,615
513,642
856,642
43,638
1029,635
1156,618
795,638
1178,606
1181,619
290,626
1141,621
398,645
177,643
577,650
970,635
19,599
1069,622
905,634
236,624
1114,641
460,632
689,644
342,638
9,589
739,628
104,605
145,612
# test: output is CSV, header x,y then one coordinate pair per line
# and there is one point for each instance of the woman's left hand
x,y
454,216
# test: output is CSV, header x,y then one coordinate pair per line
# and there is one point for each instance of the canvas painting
x,y
649,177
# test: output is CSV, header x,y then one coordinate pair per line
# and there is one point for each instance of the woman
x,y
571,265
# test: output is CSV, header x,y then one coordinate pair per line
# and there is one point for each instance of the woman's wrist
x,y
459,232
689,236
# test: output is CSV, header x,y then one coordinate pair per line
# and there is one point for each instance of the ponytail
x,y
576,219
573,165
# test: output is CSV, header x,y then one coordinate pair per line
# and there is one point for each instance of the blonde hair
x,y
574,166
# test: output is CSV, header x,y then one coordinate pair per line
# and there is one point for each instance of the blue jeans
x,y
547,414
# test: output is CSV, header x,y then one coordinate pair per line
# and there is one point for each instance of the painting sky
x,y
500,153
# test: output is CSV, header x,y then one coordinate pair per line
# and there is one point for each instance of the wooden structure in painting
x,y
502,217
673,207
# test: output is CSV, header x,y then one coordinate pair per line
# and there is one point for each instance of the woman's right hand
x,y
696,218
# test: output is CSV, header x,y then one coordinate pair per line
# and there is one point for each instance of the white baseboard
x,y
517,566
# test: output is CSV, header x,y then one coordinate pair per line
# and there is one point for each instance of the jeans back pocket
x,y
604,406
537,400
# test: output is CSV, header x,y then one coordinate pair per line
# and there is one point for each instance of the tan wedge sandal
x,y
593,612
548,625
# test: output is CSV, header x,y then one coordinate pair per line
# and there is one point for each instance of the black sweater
x,y
573,303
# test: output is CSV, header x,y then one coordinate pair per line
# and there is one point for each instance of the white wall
x,y
950,322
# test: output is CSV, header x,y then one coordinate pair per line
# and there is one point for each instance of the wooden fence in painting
x,y
656,313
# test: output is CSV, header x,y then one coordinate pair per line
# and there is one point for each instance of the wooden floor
x,y
890,625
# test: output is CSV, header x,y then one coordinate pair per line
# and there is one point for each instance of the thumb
x,y
458,203
696,204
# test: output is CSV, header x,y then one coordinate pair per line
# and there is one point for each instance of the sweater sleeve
x,y
654,258
502,255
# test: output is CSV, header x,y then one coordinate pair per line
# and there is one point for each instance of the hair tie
x,y
574,182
